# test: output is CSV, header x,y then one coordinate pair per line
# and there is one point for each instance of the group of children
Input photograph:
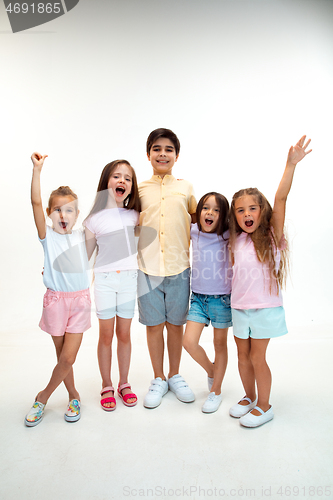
x,y
238,267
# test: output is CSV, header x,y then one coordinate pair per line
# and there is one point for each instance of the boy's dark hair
x,y
163,132
223,204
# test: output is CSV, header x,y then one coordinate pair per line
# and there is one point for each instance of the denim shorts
x,y
115,294
163,298
210,308
265,323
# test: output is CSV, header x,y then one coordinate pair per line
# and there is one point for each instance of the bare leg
x,y
69,380
104,353
67,348
123,333
175,345
191,340
262,373
155,342
245,367
221,358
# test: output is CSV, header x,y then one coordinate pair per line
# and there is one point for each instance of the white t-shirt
x,y
65,261
114,232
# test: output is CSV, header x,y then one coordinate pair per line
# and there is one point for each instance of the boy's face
x,y
162,156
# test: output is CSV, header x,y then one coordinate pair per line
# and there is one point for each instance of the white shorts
x,y
115,294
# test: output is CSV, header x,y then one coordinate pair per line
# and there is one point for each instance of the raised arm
x,y
295,155
36,199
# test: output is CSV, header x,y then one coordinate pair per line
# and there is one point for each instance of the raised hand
x,y
38,159
297,152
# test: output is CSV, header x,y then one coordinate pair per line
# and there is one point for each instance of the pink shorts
x,y
66,312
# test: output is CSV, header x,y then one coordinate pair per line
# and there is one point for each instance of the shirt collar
x,y
158,178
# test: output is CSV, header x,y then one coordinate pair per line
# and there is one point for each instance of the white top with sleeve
x,y
65,261
114,232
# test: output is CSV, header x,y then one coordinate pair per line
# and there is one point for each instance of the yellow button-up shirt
x,y
166,205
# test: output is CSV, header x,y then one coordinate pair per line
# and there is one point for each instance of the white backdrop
x,y
239,81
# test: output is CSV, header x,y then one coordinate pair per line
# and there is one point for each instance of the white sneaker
x,y
250,420
155,393
35,414
212,403
73,412
178,385
238,410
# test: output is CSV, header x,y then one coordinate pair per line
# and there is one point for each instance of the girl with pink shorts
x,y
66,304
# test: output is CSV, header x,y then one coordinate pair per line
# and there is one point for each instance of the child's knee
x,y
67,360
220,344
188,343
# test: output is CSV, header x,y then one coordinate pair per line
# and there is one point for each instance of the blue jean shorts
x,y
162,299
264,323
214,308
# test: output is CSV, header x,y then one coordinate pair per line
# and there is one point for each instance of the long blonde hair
x,y
263,237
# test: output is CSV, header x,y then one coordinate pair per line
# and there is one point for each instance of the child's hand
x,y
38,159
297,152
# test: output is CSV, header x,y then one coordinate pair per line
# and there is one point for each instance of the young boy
x,y
164,275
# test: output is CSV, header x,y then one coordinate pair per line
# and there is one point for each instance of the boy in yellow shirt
x,y
167,205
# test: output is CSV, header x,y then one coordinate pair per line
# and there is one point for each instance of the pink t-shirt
x,y
252,287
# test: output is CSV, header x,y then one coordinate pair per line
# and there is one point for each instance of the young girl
x,y
211,285
66,305
110,225
258,244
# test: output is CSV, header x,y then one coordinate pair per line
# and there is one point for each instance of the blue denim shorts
x,y
265,323
210,308
162,299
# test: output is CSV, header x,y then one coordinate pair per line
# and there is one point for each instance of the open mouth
x,y
249,223
63,225
209,222
120,191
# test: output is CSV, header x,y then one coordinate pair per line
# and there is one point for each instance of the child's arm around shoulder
x,y
296,154
36,199
91,242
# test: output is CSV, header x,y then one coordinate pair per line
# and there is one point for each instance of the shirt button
x,y
162,215
162,232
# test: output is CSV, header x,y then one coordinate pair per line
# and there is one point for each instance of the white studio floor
x,y
174,450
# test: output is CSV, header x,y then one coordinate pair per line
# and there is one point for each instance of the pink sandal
x,y
108,400
126,396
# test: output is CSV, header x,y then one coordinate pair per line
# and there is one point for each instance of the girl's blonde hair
x,y
62,191
263,237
